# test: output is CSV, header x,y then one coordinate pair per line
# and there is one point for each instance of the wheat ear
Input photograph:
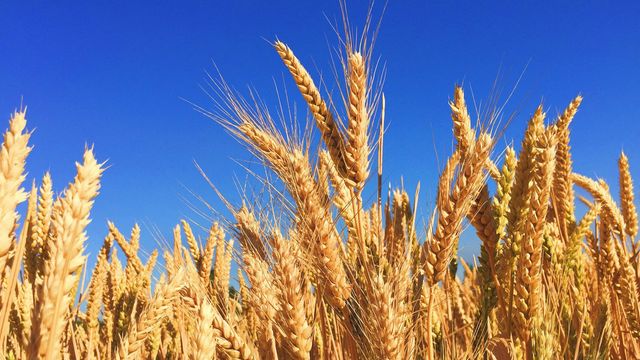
x,y
227,340
626,289
357,146
437,247
203,346
344,199
453,207
294,169
517,214
292,319
132,257
627,197
329,128
562,184
529,282
248,229
204,270
12,162
462,131
194,249
66,259
610,210
37,252
151,317
221,269
263,289
96,295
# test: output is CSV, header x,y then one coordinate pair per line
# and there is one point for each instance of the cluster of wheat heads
x,y
330,275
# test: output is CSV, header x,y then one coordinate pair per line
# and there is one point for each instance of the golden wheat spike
x,y
527,295
12,162
601,193
462,130
357,144
292,318
627,197
325,121
66,259
562,185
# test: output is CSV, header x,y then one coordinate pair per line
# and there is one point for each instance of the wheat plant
x,y
327,272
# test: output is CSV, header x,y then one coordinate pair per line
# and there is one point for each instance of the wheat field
x,y
325,271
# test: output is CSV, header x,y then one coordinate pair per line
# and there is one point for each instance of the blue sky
x,y
113,74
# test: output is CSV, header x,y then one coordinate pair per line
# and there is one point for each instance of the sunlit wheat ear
x,y
579,233
112,289
610,209
503,191
505,257
387,311
30,225
131,252
12,162
517,213
205,265
294,169
292,318
249,232
462,131
37,250
626,288
96,296
230,342
152,316
203,347
66,259
24,307
226,339
483,218
263,290
343,199
453,205
222,271
529,281
357,147
194,249
627,197
437,247
325,121
562,184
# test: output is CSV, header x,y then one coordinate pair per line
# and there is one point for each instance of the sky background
x,y
114,74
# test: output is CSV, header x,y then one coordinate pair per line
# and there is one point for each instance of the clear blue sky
x,y
113,74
